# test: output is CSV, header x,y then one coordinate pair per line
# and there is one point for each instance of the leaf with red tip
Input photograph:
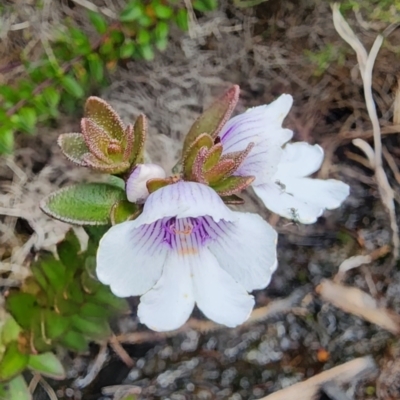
x,y
197,169
100,112
203,140
220,171
96,139
73,147
238,156
113,168
140,131
214,118
232,199
232,185
212,157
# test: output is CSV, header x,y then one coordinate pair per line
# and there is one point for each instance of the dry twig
x,y
343,374
357,302
366,63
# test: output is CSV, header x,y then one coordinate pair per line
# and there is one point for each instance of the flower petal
x,y
136,189
246,249
328,194
286,205
262,126
217,294
184,199
168,305
299,160
130,257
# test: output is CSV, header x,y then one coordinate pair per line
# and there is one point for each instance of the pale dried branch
x,y
354,301
260,314
348,372
367,149
120,351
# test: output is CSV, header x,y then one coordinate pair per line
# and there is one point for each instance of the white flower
x,y
281,172
187,248
136,189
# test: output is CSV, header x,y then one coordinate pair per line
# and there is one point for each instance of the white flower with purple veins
x,y
281,173
187,248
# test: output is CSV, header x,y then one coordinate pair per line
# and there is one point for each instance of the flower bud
x,y
136,189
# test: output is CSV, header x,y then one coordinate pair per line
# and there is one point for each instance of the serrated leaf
x,y
122,211
214,118
47,364
73,147
220,171
16,389
139,132
83,204
212,157
201,141
74,341
232,199
100,112
113,168
232,185
12,363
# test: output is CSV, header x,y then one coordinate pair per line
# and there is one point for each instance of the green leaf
x,y
20,306
131,12
98,21
47,364
52,96
143,36
73,147
121,211
214,118
203,140
93,310
74,340
91,327
205,5
72,86
83,204
68,250
104,296
12,363
181,19
100,112
162,11
10,330
54,271
16,389
127,49
139,132
145,21
6,140
27,119
232,185
96,67
55,324
146,52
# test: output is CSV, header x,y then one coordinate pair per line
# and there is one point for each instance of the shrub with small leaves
x,y
61,304
77,64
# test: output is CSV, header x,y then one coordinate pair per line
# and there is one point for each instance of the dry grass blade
x,y
342,374
366,63
357,302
